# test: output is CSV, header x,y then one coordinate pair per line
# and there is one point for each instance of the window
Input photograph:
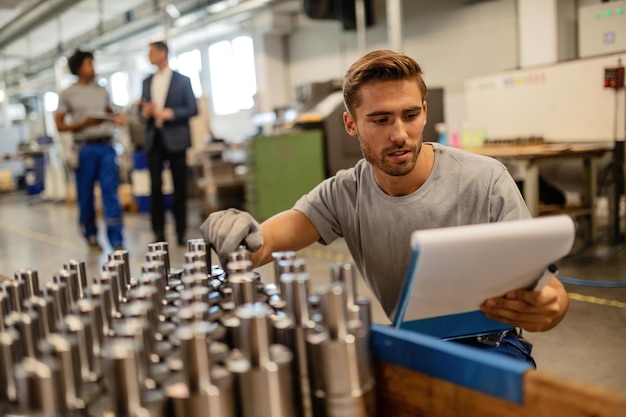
x,y
119,89
50,101
233,79
190,64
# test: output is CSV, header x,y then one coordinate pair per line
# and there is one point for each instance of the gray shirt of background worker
x,y
83,101
377,227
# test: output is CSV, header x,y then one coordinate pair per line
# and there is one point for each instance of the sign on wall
x,y
566,102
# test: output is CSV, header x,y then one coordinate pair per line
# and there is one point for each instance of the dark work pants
x,y
178,166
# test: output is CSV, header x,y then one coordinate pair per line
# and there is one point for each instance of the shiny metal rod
x,y
121,379
31,278
78,267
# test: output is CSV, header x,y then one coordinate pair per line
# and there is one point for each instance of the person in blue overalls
x,y
91,121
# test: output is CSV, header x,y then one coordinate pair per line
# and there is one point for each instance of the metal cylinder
x,y
5,309
194,245
101,293
198,255
90,311
10,355
118,281
279,256
121,378
159,251
199,245
137,330
45,311
196,267
64,348
195,339
109,279
70,279
81,275
241,254
31,278
343,383
345,273
207,390
38,389
27,325
333,303
82,330
266,384
122,256
15,291
58,291
238,267
142,309
295,291
243,285
156,267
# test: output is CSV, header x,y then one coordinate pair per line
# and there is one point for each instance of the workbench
x,y
418,375
529,157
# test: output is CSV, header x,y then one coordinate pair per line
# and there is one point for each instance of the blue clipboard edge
x,y
467,366
405,291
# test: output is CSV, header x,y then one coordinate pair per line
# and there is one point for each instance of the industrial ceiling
x,y
35,33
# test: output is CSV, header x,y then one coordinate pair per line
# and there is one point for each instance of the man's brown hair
x,y
381,65
161,46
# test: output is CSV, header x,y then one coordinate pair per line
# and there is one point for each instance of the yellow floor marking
x,y
42,237
595,300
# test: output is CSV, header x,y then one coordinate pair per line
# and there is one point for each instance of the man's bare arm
x,y
287,231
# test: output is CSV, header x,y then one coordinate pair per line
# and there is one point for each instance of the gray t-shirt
x,y
463,188
83,100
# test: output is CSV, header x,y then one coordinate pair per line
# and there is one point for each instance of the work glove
x,y
226,230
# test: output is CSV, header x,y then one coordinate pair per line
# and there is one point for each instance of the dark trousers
x,y
157,157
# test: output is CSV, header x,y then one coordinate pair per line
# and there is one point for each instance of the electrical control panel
x,y
614,77
602,28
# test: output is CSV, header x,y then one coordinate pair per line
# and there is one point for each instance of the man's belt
x,y
93,141
493,339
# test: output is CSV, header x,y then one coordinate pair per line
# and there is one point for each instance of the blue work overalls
x,y
97,162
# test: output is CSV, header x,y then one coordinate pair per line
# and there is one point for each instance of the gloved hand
x,y
226,230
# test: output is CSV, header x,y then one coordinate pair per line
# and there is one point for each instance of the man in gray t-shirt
x,y
462,188
402,185
85,111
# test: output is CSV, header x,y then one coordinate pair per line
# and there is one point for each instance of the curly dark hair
x,y
76,60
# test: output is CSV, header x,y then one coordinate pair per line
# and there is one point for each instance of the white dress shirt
x,y
158,89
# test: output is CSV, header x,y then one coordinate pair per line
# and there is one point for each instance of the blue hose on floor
x,y
585,283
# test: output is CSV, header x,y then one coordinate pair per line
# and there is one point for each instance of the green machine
x,y
281,169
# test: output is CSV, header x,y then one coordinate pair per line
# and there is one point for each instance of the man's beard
x,y
394,169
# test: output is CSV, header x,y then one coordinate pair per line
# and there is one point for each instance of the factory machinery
x,y
185,342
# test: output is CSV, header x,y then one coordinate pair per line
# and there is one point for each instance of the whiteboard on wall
x,y
565,102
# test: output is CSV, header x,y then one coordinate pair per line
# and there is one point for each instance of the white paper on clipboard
x,y
459,267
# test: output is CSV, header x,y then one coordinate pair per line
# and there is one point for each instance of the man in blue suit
x,y
167,104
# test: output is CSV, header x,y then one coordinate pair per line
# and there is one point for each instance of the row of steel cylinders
x,y
185,342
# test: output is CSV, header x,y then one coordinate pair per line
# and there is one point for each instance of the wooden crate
x,y
419,376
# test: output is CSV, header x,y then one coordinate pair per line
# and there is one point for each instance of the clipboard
x,y
454,269
103,116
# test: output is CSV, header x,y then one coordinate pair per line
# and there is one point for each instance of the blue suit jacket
x,y
180,98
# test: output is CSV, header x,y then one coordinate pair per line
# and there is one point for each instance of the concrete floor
x,y
588,346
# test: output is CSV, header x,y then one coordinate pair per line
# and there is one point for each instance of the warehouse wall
x,y
451,39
